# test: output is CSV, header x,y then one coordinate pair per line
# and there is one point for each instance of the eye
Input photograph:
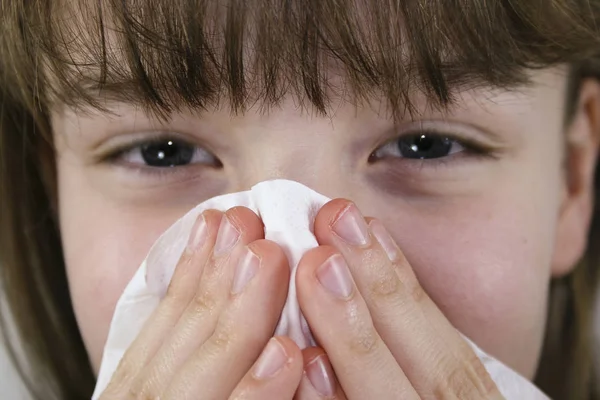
x,y
422,146
162,153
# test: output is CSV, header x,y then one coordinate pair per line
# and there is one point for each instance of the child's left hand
x,y
384,336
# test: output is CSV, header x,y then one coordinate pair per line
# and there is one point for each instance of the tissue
x,y
288,210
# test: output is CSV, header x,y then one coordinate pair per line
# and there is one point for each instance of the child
x,y
469,129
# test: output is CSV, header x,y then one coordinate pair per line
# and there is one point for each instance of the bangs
x,y
166,55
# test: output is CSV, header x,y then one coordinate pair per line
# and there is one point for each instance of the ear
x,y
582,141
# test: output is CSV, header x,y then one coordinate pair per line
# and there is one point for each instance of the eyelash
x,y
115,155
471,149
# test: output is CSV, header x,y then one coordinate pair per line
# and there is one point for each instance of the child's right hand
x,y
203,340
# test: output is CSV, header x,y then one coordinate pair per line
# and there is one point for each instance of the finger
x,y
256,298
182,287
275,375
342,325
239,226
429,349
318,381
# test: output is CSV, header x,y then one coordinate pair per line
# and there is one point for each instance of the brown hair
x,y
201,54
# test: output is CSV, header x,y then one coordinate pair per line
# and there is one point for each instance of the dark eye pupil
x,y
167,153
425,146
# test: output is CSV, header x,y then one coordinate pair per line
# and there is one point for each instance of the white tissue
x,y
288,210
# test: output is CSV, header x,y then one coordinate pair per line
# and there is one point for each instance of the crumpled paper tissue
x,y
288,210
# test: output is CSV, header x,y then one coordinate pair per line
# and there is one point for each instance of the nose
x,y
314,165
312,153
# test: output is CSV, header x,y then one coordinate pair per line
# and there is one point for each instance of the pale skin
x,y
473,243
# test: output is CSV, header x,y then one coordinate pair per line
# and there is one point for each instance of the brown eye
x,y
422,146
425,146
167,153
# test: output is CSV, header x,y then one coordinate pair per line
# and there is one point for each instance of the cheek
x,y
103,246
485,262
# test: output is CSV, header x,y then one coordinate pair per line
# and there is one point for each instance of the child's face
x,y
484,232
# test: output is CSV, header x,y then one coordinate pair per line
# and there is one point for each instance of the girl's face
x,y
486,217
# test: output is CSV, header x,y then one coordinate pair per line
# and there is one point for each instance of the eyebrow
x,y
96,94
92,93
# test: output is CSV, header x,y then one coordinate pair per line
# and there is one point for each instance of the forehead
x,y
199,54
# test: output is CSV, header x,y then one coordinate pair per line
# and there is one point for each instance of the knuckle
x,y
390,287
364,339
204,302
486,386
146,386
467,380
222,339
125,373
417,293
121,384
142,394
385,286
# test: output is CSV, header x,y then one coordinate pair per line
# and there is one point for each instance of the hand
x,y
384,336
203,340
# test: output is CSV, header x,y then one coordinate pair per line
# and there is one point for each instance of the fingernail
x,y
320,375
245,270
271,361
384,239
226,238
334,275
198,234
351,227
